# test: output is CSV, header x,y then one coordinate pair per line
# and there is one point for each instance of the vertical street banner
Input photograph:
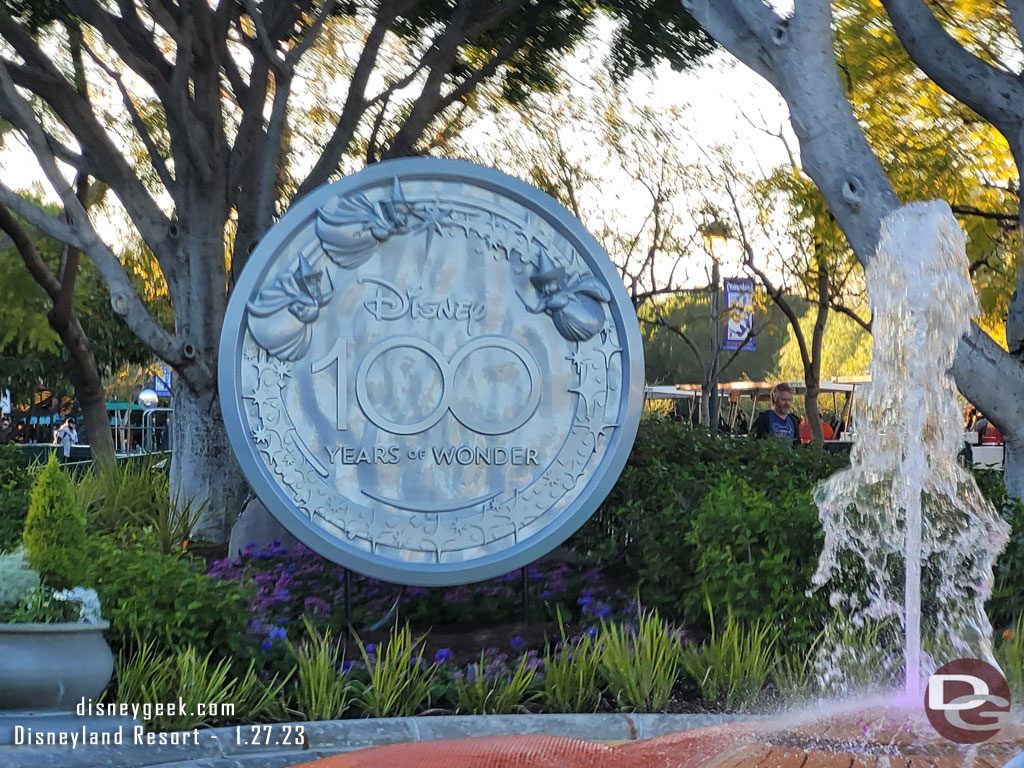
x,y
163,381
5,401
739,307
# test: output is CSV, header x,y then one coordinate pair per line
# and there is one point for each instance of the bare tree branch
x,y
728,21
29,253
125,300
994,94
155,158
103,160
969,210
845,310
355,104
1016,8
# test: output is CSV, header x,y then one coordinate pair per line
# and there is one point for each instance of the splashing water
x,y
909,538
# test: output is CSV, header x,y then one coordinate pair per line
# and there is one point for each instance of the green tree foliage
x,y
15,485
936,147
845,351
55,536
31,353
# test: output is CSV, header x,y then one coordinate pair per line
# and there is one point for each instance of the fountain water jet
x,y
906,519
909,537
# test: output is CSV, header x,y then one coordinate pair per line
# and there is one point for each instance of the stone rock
x,y
257,526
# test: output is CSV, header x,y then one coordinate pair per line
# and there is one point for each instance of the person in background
x,y
6,430
988,433
67,436
778,422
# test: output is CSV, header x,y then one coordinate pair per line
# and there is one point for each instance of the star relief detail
x,y
590,389
432,220
598,432
282,371
264,401
461,527
261,436
579,359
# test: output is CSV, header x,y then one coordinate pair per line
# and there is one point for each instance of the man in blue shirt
x,y
778,423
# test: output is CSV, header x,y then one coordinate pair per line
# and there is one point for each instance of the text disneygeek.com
x,y
135,733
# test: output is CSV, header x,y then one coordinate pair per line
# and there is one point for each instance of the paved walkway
x,y
275,746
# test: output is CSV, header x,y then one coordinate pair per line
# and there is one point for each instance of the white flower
x,y
88,603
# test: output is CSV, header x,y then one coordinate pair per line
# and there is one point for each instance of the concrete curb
x,y
274,746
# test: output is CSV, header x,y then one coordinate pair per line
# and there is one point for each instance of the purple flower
x,y
317,606
603,612
371,648
268,644
442,655
591,632
346,666
278,633
517,642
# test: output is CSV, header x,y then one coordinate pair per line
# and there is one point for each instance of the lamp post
x,y
710,232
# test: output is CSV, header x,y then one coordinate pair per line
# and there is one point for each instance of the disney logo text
x,y
389,303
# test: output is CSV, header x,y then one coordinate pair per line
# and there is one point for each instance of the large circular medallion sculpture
x,y
430,372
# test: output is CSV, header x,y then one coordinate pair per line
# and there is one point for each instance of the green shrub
x,y
640,666
1006,604
755,557
665,509
15,484
55,537
484,691
732,667
149,678
123,497
794,675
321,691
400,681
571,674
169,602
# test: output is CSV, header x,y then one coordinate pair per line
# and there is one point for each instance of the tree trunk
x,y
705,404
811,405
1013,465
203,466
88,390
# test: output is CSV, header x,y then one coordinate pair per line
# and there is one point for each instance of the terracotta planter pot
x,y
52,666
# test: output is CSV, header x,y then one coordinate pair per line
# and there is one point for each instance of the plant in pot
x,y
52,650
